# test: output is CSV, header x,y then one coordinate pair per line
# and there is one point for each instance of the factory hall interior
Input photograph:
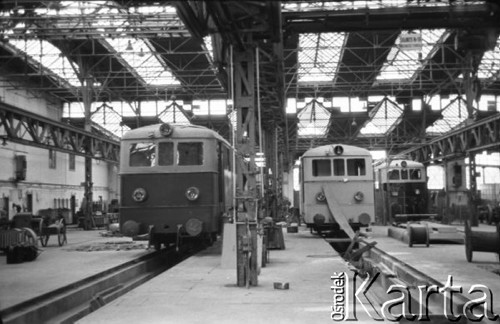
x,y
250,161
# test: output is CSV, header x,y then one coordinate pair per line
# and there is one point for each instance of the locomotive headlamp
x,y
364,218
130,228
139,194
338,150
359,196
192,193
404,164
194,226
319,219
166,129
320,196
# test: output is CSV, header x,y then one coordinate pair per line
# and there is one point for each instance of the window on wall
x,y
52,159
71,159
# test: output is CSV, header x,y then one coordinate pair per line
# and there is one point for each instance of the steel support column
x,y
271,194
88,194
246,190
474,195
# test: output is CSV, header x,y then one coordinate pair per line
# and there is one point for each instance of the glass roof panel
x,y
288,6
134,53
319,56
384,117
46,57
490,63
173,114
106,117
409,54
453,116
313,120
137,55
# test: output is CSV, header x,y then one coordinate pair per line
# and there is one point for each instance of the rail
x,y
74,301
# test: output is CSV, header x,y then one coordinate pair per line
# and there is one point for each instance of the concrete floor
x,y
87,253
199,291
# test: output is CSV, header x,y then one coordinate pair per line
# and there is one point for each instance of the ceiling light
x,y
129,46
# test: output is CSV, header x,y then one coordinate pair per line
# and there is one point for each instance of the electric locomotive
x,y
401,190
337,188
176,183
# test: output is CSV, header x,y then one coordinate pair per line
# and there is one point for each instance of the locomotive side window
x,y
166,153
415,174
356,167
321,168
338,167
142,154
190,153
393,175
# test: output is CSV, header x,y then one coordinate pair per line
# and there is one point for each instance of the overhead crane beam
x,y
26,128
480,136
483,15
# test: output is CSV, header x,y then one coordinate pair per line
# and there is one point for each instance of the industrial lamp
x,y
129,46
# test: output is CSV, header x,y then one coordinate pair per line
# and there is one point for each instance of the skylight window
x,y
453,115
295,6
313,120
208,44
48,58
410,53
384,117
319,56
490,63
136,54
113,24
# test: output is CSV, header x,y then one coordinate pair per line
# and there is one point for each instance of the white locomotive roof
x,y
397,163
179,131
328,150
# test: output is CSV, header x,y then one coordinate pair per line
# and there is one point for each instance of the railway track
x,y
391,272
72,302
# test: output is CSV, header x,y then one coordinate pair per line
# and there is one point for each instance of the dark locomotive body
x,y
401,191
176,183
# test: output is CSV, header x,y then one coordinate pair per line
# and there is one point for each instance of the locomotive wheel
x,y
61,238
30,236
44,238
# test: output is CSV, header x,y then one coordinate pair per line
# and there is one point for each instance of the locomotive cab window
x,y
404,174
321,168
415,174
393,175
356,167
142,154
190,153
338,167
166,153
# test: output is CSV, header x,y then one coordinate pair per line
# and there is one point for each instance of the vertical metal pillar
x,y
472,92
271,179
88,196
246,191
474,195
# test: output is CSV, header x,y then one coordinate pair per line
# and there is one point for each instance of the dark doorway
x,y
29,203
72,206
